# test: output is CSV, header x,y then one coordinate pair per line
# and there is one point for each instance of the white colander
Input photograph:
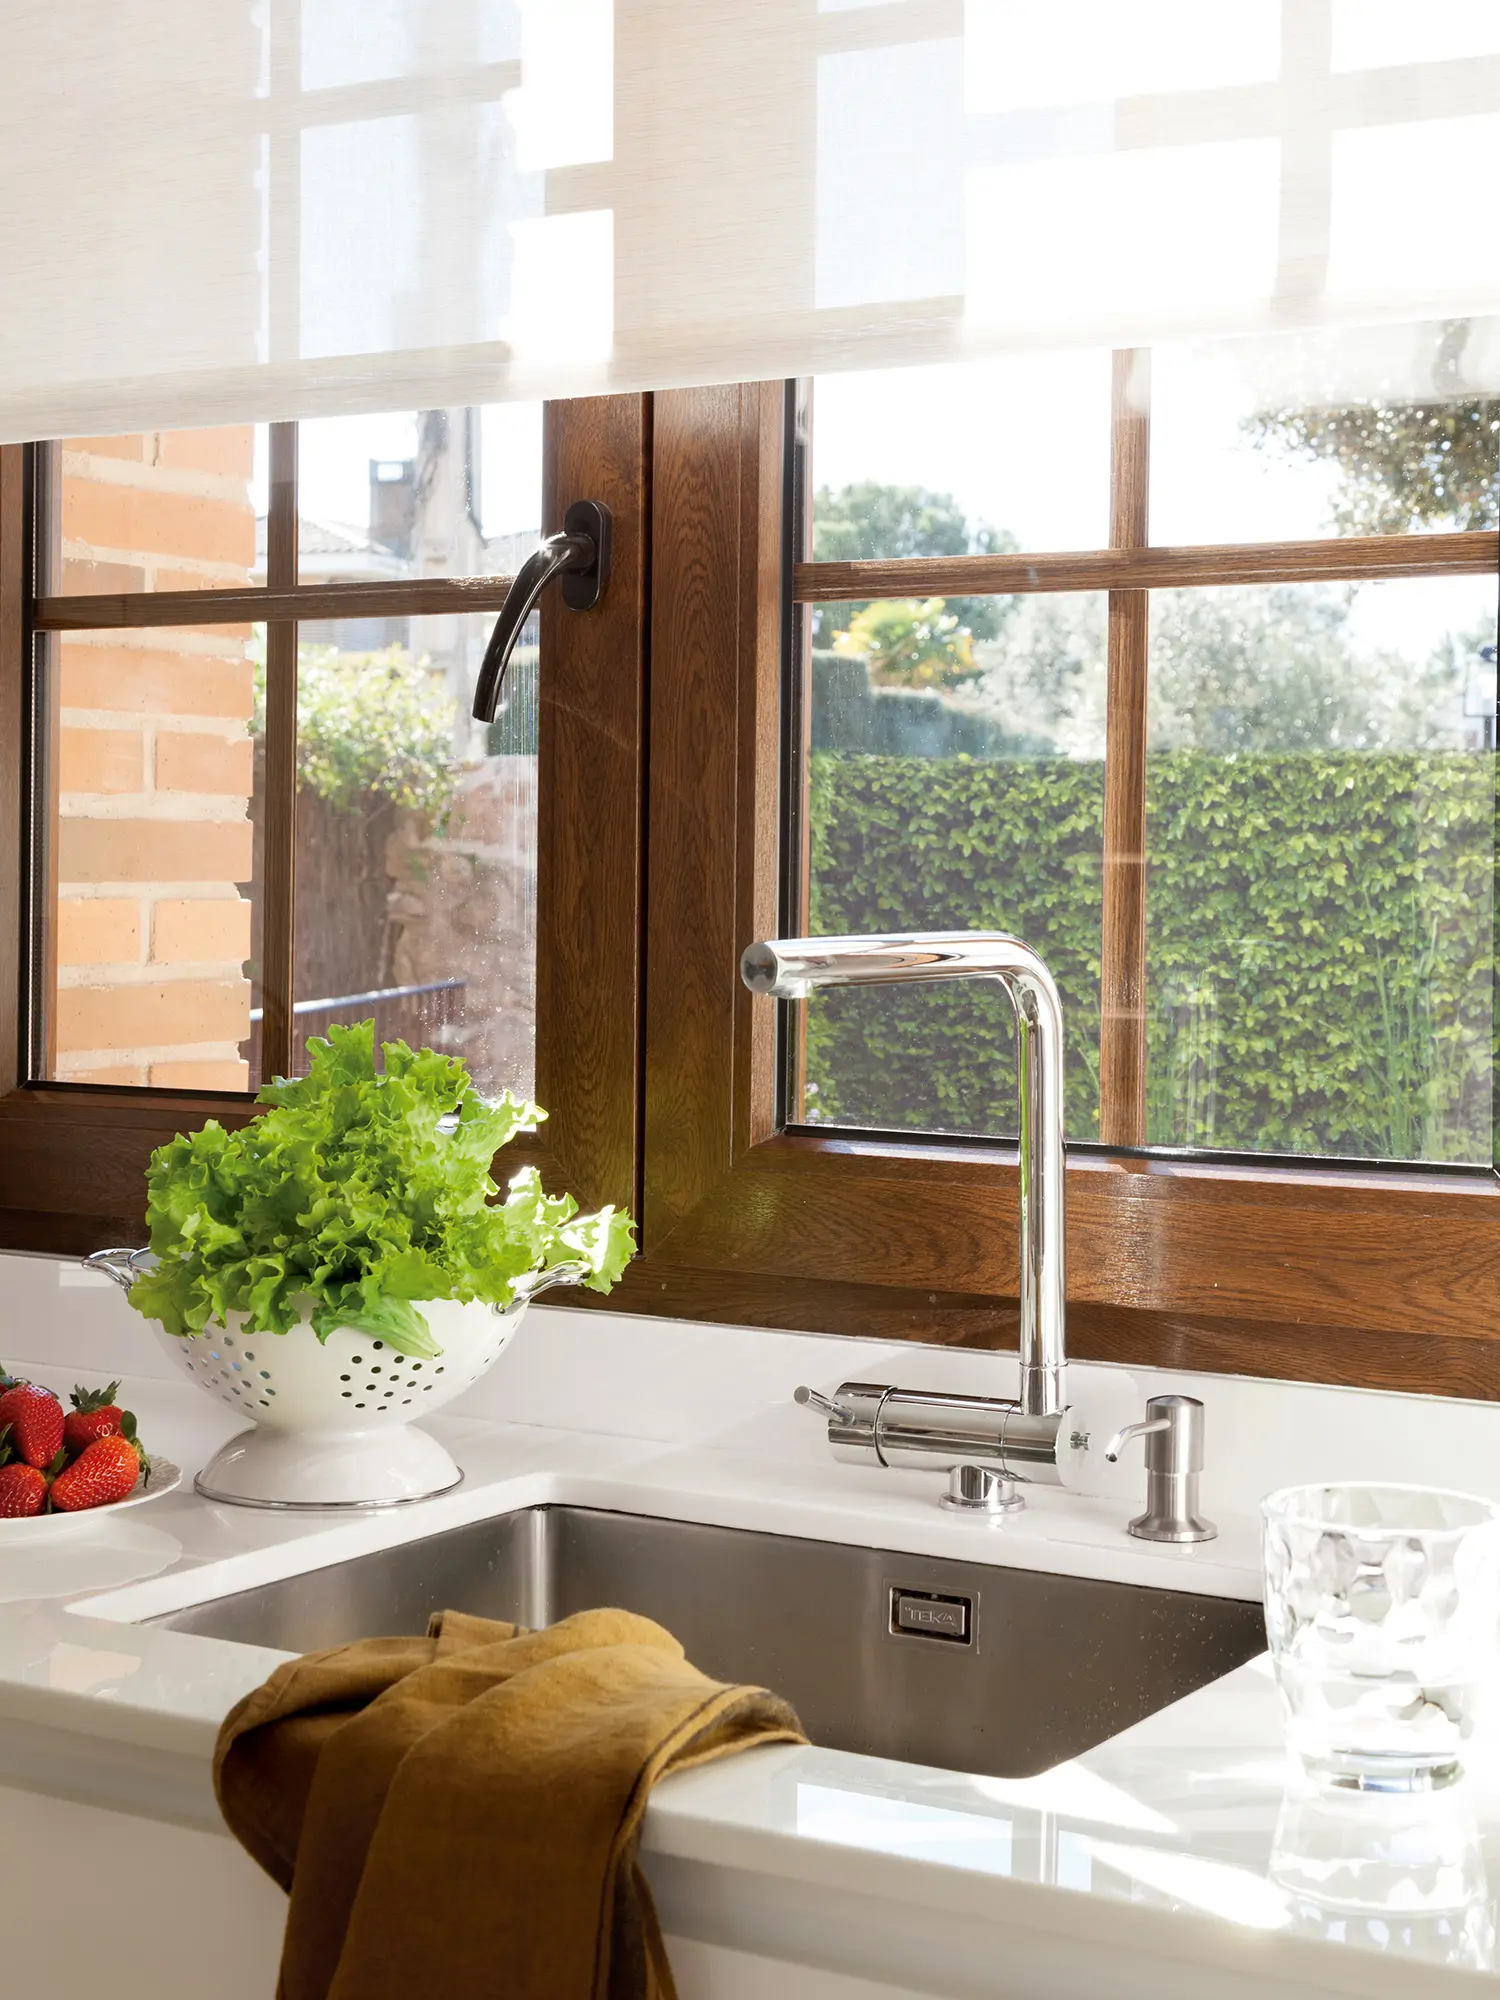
x,y
335,1420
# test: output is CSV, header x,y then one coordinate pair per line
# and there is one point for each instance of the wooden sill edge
x,y
1439,1183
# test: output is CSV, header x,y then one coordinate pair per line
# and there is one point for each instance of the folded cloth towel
x,y
460,1814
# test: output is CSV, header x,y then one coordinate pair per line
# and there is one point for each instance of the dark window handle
x,y
580,556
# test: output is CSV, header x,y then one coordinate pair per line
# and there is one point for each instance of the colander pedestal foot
x,y
363,1470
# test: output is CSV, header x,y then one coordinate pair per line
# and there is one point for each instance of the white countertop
x,y
1178,1861
1180,1858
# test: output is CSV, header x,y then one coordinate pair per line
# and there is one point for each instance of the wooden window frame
x,y
1362,1275
72,1156
662,750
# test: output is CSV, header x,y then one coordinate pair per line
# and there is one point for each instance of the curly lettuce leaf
x,y
353,1195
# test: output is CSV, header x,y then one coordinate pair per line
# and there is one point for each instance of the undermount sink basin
x,y
1000,1671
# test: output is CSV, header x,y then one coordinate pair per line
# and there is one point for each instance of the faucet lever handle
x,y
814,1399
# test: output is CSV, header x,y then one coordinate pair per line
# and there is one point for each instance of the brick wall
x,y
155,771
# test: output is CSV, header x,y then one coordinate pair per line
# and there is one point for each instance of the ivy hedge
x,y
1321,944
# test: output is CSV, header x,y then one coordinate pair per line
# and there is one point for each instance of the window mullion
x,y
15,666
279,799
42,679
1122,997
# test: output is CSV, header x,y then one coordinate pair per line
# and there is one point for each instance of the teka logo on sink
x,y
925,1614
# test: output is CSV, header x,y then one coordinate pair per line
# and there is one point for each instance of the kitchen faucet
x,y
988,1445
791,968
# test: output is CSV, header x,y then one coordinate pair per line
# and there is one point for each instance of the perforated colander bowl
x,y
293,1381
334,1417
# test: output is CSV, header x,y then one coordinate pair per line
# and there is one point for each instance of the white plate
x,y
165,1478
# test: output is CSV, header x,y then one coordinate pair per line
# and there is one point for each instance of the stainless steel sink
x,y
970,1668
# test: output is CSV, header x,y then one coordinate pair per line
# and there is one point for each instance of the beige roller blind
x,y
223,209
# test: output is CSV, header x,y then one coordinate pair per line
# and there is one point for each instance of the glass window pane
x,y
960,459
1239,454
417,842
1321,848
152,841
419,493
160,510
954,785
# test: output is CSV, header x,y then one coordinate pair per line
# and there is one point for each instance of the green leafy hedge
x,y
1321,960
370,726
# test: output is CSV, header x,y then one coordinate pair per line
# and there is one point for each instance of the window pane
x,y
960,459
1321,828
418,493
1240,454
416,842
160,510
954,784
152,844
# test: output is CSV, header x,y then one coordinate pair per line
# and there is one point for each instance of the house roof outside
x,y
331,553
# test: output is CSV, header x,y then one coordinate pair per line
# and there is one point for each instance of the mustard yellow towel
x,y
459,1815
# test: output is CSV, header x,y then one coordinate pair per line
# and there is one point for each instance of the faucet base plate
x,y
1172,1528
974,1489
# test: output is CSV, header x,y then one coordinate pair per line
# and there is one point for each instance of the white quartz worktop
x,y
1182,1858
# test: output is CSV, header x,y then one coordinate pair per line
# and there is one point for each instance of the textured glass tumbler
x,y
1381,1607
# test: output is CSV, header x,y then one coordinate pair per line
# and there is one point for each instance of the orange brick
x,y
200,928
110,516
208,578
129,1073
98,930
165,1013
132,445
201,1075
198,763
102,760
136,680
228,449
80,578
153,850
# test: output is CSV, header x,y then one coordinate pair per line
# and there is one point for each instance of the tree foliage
x,y
1322,953
1277,668
371,725
1233,670
1402,467
911,642
869,521
1432,462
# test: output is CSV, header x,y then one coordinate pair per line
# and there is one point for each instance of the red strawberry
x,y
23,1492
35,1417
95,1414
104,1472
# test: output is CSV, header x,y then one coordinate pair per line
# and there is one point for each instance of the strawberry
x,y
23,1492
35,1417
103,1472
95,1414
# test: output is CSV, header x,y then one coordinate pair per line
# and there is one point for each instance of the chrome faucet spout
x,y
791,968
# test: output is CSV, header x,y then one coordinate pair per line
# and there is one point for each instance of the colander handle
x,y
123,1265
571,1273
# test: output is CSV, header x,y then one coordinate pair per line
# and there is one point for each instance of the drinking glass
x,y
1381,1607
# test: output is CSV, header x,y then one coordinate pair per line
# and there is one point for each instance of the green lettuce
x,y
355,1194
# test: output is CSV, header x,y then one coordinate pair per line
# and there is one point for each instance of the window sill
x,y
1376,1252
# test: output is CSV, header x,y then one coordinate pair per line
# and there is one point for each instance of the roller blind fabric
x,y
217,209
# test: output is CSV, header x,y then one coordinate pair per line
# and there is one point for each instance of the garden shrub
x,y
1321,944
